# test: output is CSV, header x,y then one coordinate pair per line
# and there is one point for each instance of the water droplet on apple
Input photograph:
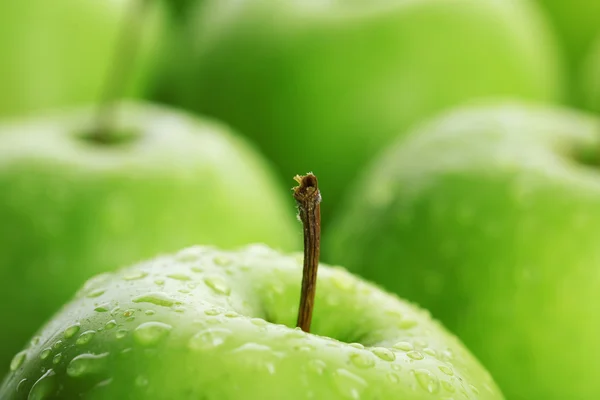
x,y
217,284
362,360
392,377
141,381
258,356
57,358
474,389
102,308
317,366
134,275
150,333
448,386
43,387
179,277
45,353
57,345
149,312
446,370
222,260
110,324
383,353
21,385
348,384
407,323
71,331
208,339
231,314
415,355
18,360
427,380
87,364
85,337
121,333
404,346
156,298
96,292
258,321
356,345
430,352
35,341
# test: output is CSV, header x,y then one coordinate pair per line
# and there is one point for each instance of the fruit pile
x,y
148,242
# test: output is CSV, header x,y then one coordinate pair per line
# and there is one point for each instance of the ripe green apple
x,y
72,207
59,53
590,80
488,216
349,77
577,23
212,324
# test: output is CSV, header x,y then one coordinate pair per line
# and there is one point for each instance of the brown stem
x,y
123,59
308,197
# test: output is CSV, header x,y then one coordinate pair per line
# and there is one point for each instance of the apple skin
x,y
488,217
347,78
590,79
577,24
59,53
71,208
212,324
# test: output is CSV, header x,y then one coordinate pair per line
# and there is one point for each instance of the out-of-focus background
x,y
457,146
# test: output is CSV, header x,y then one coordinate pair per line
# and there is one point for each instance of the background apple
x,y
204,324
72,207
349,77
590,79
490,217
59,53
577,23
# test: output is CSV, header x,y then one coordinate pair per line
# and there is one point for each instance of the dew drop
x,y
427,380
217,284
222,261
35,341
57,345
96,292
208,339
121,333
349,385
87,364
85,337
212,312
404,346
71,331
317,366
134,275
446,370
362,360
102,308
45,353
18,360
57,358
430,352
156,298
179,277
415,355
43,387
392,377
448,386
384,354
231,314
110,324
150,333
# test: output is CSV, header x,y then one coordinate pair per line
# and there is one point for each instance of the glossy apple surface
x,y
210,324
489,217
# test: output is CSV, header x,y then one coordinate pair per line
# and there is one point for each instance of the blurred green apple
x,y
210,324
489,217
59,53
590,80
577,23
72,207
348,76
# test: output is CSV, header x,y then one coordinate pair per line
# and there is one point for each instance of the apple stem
x,y
119,71
308,197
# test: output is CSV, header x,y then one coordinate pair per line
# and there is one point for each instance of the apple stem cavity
x,y
119,72
308,197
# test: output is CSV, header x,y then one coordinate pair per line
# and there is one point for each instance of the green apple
x,y
489,217
72,207
59,53
590,80
348,77
212,324
577,23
